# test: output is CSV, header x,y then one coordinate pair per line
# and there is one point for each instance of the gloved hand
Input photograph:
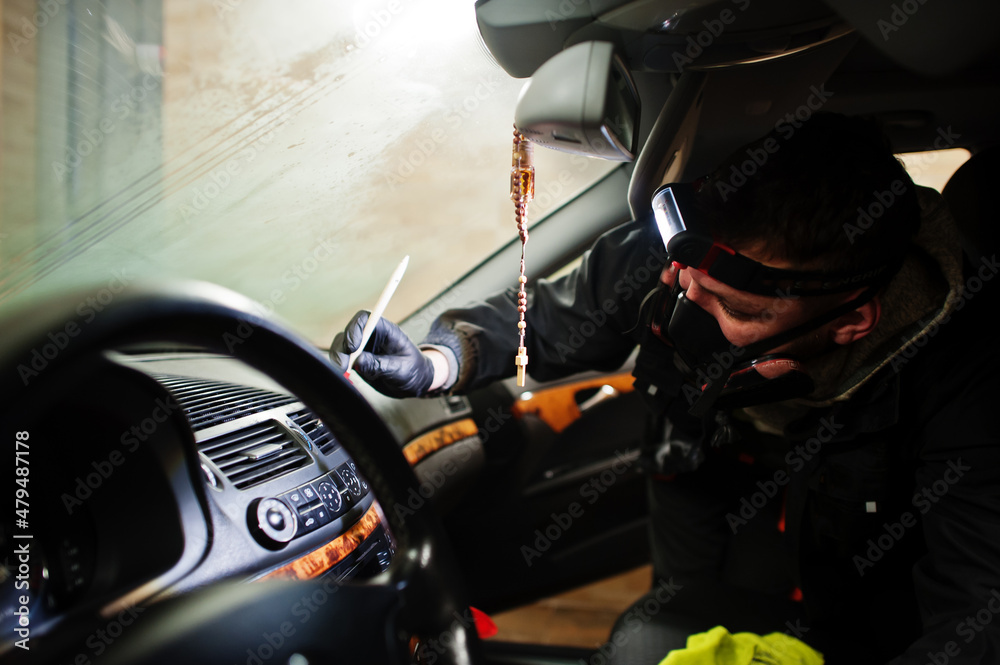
x,y
391,363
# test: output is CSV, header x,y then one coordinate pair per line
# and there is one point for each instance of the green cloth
x,y
719,647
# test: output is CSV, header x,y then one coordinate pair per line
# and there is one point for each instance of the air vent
x,y
256,454
208,403
317,432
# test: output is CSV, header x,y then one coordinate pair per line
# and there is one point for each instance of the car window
x,y
292,151
933,168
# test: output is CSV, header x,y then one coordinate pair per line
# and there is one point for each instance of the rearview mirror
x,y
582,100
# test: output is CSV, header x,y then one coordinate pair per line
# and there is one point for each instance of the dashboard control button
x,y
309,493
313,517
330,495
361,479
323,514
296,498
341,486
351,480
275,520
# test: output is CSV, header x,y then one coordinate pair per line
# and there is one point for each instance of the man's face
x,y
746,318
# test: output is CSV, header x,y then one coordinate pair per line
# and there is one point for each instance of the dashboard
x,y
155,473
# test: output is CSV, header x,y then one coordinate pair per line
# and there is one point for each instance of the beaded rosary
x,y
522,190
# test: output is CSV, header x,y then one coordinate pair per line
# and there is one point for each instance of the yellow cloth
x,y
719,647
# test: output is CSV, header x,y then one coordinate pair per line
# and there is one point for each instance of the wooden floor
x,y
582,617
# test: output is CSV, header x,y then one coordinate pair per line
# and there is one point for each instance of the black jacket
x,y
893,486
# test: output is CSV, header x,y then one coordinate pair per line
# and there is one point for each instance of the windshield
x,y
294,151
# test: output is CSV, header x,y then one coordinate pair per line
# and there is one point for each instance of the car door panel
x,y
561,500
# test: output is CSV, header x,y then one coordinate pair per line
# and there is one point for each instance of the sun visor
x,y
582,100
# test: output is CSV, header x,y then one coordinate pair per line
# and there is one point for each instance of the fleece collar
x,y
924,292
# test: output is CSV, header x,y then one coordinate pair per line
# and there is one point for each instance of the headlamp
x,y
690,242
726,376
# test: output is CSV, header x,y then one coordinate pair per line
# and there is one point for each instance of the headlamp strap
x,y
711,392
713,389
757,348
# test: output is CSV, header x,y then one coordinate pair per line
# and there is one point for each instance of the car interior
x,y
193,479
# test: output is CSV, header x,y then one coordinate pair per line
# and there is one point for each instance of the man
x,y
822,455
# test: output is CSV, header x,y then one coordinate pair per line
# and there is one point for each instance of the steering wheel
x,y
420,595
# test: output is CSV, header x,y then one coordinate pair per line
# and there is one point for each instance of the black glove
x,y
390,363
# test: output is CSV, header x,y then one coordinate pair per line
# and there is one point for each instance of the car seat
x,y
968,194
